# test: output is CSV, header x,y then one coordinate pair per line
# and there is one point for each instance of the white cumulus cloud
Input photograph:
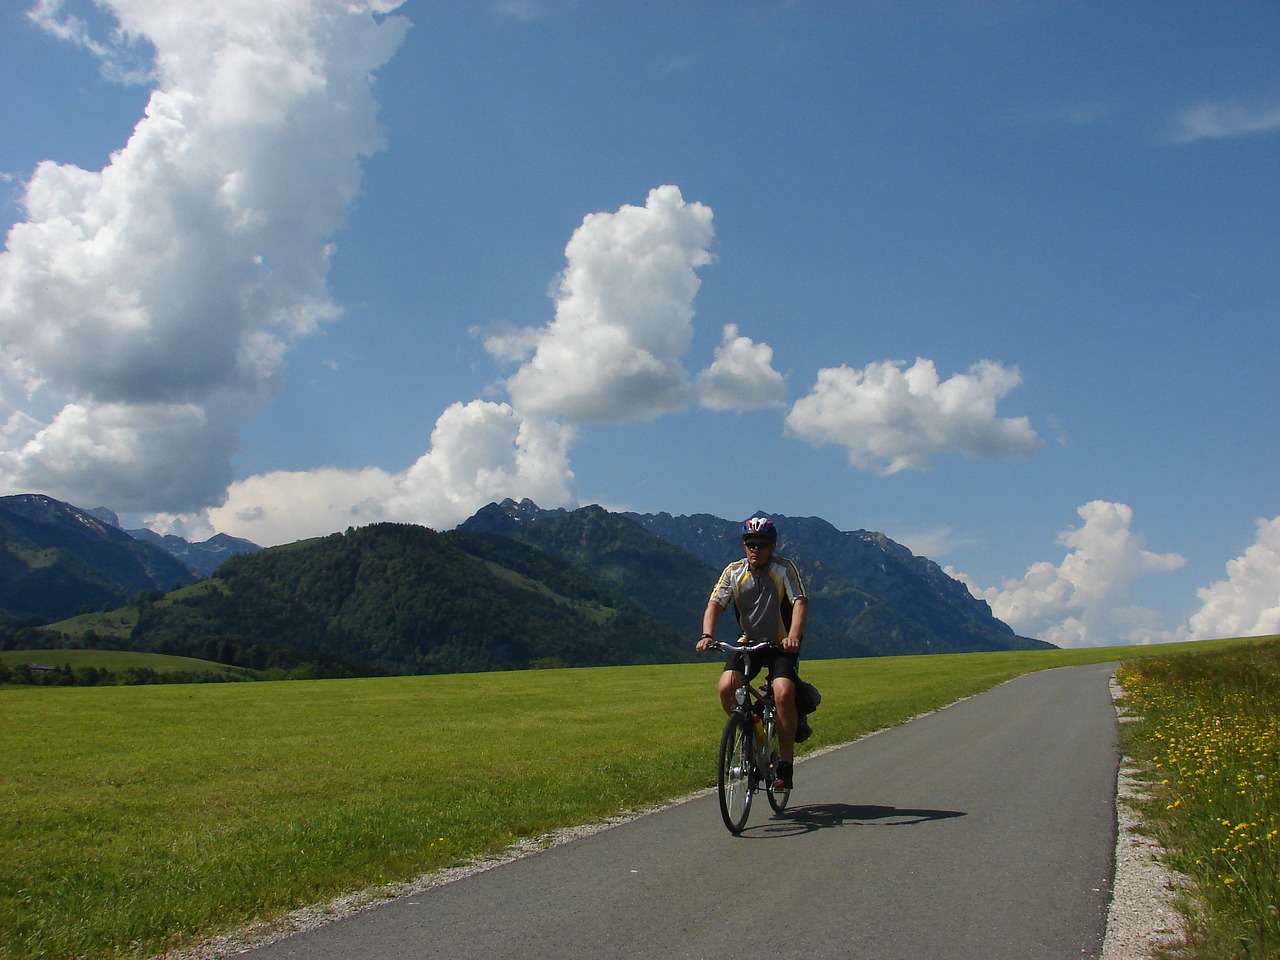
x,y
480,452
483,452
1084,599
623,318
98,450
891,417
741,377
1247,603
146,308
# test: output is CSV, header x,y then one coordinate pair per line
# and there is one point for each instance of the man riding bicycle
x,y
769,600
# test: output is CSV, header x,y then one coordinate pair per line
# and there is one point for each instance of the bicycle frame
x,y
754,705
748,747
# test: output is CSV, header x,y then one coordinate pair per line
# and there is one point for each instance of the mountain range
x,y
57,560
869,596
514,586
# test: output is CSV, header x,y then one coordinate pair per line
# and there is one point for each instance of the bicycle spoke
x,y
734,780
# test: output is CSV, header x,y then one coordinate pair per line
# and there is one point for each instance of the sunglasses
x,y
757,544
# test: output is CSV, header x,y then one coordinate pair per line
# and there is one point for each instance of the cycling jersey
x,y
762,602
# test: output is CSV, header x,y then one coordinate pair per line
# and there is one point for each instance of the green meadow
x,y
139,819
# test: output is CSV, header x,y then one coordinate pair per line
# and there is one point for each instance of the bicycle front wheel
x,y
734,780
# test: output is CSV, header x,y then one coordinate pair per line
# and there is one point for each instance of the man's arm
x,y
799,614
710,617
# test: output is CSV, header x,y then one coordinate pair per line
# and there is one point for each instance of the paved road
x,y
982,832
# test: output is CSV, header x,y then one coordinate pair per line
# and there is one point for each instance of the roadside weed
x,y
1209,733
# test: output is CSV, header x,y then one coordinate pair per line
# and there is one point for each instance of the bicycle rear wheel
x,y
734,778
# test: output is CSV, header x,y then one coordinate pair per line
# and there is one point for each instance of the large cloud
x,y
890,417
1084,600
1247,603
145,309
623,319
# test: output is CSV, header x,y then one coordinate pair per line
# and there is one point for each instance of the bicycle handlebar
x,y
758,647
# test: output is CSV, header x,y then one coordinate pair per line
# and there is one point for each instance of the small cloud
x,y
1083,601
523,10
1060,432
1084,113
676,66
1222,121
741,377
890,417
508,343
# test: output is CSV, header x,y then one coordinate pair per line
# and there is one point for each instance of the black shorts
x,y
780,664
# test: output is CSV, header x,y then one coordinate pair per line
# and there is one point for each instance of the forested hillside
x,y
397,598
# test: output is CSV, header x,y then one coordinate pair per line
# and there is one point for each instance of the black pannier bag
x,y
807,700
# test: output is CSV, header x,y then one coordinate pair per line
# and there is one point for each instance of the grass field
x,y
142,818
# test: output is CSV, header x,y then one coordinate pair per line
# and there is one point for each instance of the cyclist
x,y
768,597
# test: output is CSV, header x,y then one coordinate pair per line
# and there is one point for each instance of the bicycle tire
x,y
734,774
778,799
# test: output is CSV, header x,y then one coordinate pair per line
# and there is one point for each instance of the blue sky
x,y
999,280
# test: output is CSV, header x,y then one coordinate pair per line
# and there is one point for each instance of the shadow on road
x,y
820,816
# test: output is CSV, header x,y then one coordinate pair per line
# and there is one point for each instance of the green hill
x,y
394,598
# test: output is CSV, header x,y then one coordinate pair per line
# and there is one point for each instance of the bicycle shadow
x,y
823,816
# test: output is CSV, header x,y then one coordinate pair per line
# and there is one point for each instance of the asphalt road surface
x,y
985,831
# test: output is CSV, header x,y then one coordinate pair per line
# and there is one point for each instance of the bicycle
x,y
748,747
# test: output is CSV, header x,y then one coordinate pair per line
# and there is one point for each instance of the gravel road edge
x,y
1142,916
